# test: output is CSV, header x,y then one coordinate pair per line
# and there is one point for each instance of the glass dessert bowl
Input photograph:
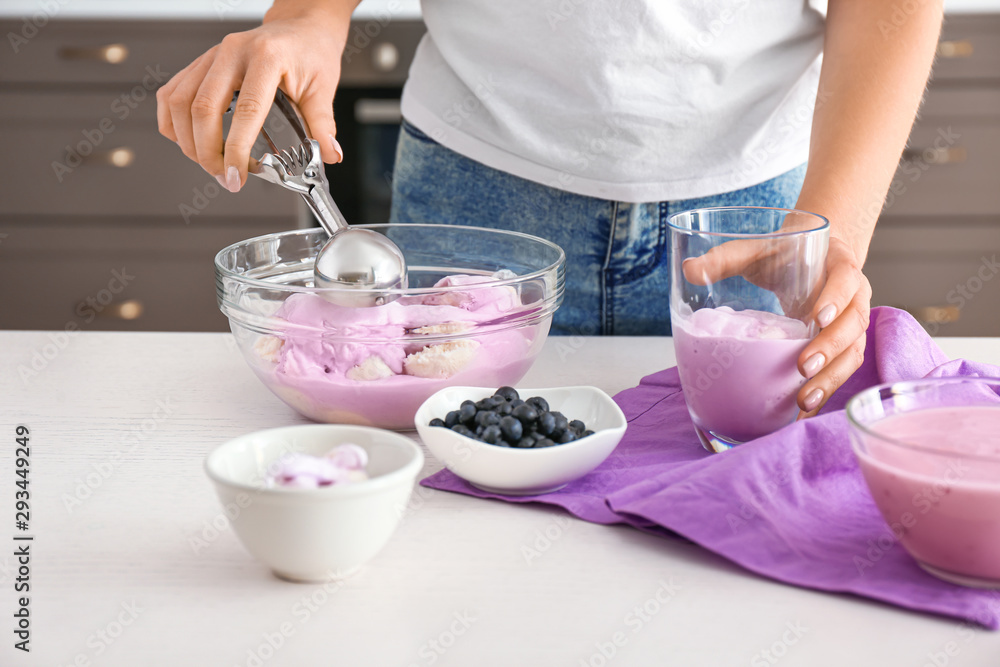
x,y
476,312
929,451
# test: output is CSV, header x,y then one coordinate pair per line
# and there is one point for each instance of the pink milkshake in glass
x,y
744,281
739,369
930,453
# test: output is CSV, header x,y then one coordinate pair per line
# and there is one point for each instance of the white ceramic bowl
x,y
314,534
524,472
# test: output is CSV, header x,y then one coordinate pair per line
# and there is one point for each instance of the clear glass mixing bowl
x,y
375,366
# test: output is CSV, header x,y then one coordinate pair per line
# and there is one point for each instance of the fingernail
x,y
825,316
813,364
813,399
233,179
222,182
337,149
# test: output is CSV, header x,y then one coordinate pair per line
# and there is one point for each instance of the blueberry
x,y
504,410
525,413
466,402
540,403
467,413
516,402
578,426
461,429
527,442
497,401
586,433
501,443
566,436
451,418
480,429
546,423
491,434
484,404
437,422
511,428
487,418
507,393
544,442
562,424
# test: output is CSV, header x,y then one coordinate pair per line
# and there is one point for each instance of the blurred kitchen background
x,y
105,224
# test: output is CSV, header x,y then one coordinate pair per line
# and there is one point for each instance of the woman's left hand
x,y
842,312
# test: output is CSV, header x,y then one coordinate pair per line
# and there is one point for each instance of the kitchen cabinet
x,y
124,275
937,243
91,190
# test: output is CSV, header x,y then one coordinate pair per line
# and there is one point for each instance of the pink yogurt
x,y
344,464
739,369
312,372
944,506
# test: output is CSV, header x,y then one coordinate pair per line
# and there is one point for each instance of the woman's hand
x,y
841,310
297,48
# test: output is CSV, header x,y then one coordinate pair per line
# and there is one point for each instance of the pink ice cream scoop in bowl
x,y
315,502
929,451
477,309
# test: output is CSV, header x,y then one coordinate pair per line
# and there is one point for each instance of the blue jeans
x,y
617,253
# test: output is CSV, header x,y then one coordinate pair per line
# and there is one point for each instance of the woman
x,y
589,123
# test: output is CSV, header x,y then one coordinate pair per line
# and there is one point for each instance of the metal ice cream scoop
x,y
364,263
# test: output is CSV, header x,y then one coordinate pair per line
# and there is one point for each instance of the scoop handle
x,y
318,198
322,205
291,112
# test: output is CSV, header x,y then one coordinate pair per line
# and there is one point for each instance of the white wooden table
x,y
127,569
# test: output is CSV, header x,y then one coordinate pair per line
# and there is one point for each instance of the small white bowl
x,y
314,534
524,472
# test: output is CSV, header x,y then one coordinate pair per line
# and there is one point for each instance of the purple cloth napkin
x,y
792,506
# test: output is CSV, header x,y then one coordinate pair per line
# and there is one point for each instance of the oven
x,y
366,108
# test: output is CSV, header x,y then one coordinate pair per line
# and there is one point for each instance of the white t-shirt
x,y
630,100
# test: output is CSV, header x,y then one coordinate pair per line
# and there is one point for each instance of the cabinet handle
x,y
955,48
368,111
936,155
385,57
121,157
130,309
113,54
935,314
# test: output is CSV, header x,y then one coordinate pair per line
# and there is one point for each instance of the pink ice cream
x,y
944,508
377,365
738,369
344,464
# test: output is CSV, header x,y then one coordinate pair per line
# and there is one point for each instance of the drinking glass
x,y
744,283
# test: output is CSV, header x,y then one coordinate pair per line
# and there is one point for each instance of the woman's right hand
x,y
298,48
